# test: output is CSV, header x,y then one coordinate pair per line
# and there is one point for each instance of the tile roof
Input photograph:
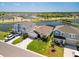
x,y
45,30
69,29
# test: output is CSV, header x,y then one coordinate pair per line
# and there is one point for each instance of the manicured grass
x,y
37,46
8,22
36,21
3,35
20,39
42,48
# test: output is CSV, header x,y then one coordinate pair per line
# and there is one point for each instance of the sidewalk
x,y
23,45
9,50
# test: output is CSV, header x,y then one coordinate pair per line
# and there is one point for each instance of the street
x,y
7,50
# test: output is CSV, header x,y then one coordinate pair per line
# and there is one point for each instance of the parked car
x,y
10,38
10,35
76,54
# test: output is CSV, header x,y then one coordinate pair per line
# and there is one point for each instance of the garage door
x,y
71,42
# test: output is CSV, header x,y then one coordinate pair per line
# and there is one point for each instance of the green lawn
x,y
8,22
18,40
42,48
3,35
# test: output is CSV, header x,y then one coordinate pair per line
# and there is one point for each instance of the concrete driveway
x,y
7,50
69,51
24,43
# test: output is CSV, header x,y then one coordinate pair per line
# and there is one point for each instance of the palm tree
x,y
66,22
2,14
13,19
21,19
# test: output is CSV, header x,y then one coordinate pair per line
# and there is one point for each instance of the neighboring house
x,y
25,27
43,30
67,34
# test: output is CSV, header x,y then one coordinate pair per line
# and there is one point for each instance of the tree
x,y
13,19
25,36
66,22
2,16
44,38
21,19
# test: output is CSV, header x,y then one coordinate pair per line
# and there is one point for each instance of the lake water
x,y
5,27
51,23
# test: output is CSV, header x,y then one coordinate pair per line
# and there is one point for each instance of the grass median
x,y
18,40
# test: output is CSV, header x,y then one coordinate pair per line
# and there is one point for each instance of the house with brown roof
x,y
43,30
67,34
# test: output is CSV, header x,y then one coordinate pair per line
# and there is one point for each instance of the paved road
x,y
8,50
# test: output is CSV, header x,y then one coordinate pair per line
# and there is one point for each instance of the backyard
x,y
42,47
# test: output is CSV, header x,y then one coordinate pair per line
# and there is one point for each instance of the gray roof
x,y
66,28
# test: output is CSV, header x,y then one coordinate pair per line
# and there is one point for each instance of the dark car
x,y
10,38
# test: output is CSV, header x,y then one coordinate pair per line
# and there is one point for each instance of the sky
x,y
39,6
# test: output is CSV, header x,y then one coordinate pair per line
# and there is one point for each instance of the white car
x,y
76,54
10,35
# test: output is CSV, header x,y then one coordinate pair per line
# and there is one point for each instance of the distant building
x,y
67,34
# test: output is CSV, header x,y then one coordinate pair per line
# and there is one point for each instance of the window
x,y
24,28
57,33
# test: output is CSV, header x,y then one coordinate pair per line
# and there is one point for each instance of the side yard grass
x,y
3,35
42,48
18,40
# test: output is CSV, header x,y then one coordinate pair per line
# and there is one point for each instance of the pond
x,y
5,27
51,23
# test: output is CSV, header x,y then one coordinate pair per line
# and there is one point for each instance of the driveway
x,y
7,50
10,42
69,51
24,43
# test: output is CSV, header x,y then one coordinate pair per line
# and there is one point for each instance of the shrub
x,y
25,36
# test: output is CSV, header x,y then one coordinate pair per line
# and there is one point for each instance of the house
x,y
66,34
43,30
25,27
